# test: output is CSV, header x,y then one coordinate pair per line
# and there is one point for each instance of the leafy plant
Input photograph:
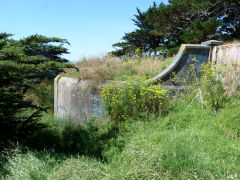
x,y
212,88
132,98
208,88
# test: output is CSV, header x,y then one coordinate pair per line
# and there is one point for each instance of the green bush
x,y
131,98
208,89
212,88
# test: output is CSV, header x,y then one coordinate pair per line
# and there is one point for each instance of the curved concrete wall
x,y
181,65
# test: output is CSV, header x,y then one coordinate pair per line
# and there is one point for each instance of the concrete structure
x,y
181,65
78,100
227,54
227,60
212,43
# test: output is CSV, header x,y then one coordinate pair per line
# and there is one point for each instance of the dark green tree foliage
x,y
18,117
164,28
39,51
23,63
230,28
142,38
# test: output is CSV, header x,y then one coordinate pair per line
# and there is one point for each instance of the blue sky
x,y
91,26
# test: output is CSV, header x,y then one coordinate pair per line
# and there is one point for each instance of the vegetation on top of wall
x,y
232,42
100,70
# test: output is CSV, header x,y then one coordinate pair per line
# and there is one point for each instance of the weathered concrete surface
x,y
227,60
182,63
226,54
76,100
212,43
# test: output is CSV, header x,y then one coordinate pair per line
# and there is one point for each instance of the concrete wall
x,y
76,100
227,60
226,54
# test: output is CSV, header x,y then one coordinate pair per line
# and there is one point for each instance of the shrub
x,y
212,88
122,100
208,89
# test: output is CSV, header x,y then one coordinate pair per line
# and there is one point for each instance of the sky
x,y
91,26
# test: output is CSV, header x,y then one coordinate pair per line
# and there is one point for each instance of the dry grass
x,y
100,70
232,42
151,66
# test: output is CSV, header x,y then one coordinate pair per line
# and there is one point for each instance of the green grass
x,y
188,143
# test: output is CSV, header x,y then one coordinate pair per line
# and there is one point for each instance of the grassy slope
x,y
190,142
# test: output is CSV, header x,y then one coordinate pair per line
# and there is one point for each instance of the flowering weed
x,y
132,98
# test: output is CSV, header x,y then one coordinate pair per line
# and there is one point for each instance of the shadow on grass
x,y
70,138
3,170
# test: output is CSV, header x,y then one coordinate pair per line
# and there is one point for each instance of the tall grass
x,y
189,143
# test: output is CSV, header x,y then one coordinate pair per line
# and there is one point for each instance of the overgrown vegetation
x,y
101,70
195,140
129,99
193,135
42,94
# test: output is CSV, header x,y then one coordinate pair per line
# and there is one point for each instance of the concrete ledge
x,y
212,43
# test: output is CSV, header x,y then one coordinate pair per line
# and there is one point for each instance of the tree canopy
x,y
164,27
22,63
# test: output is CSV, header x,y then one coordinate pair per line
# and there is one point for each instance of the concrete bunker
x,y
76,100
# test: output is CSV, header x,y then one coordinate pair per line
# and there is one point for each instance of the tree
x,y
166,27
230,27
142,38
23,63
